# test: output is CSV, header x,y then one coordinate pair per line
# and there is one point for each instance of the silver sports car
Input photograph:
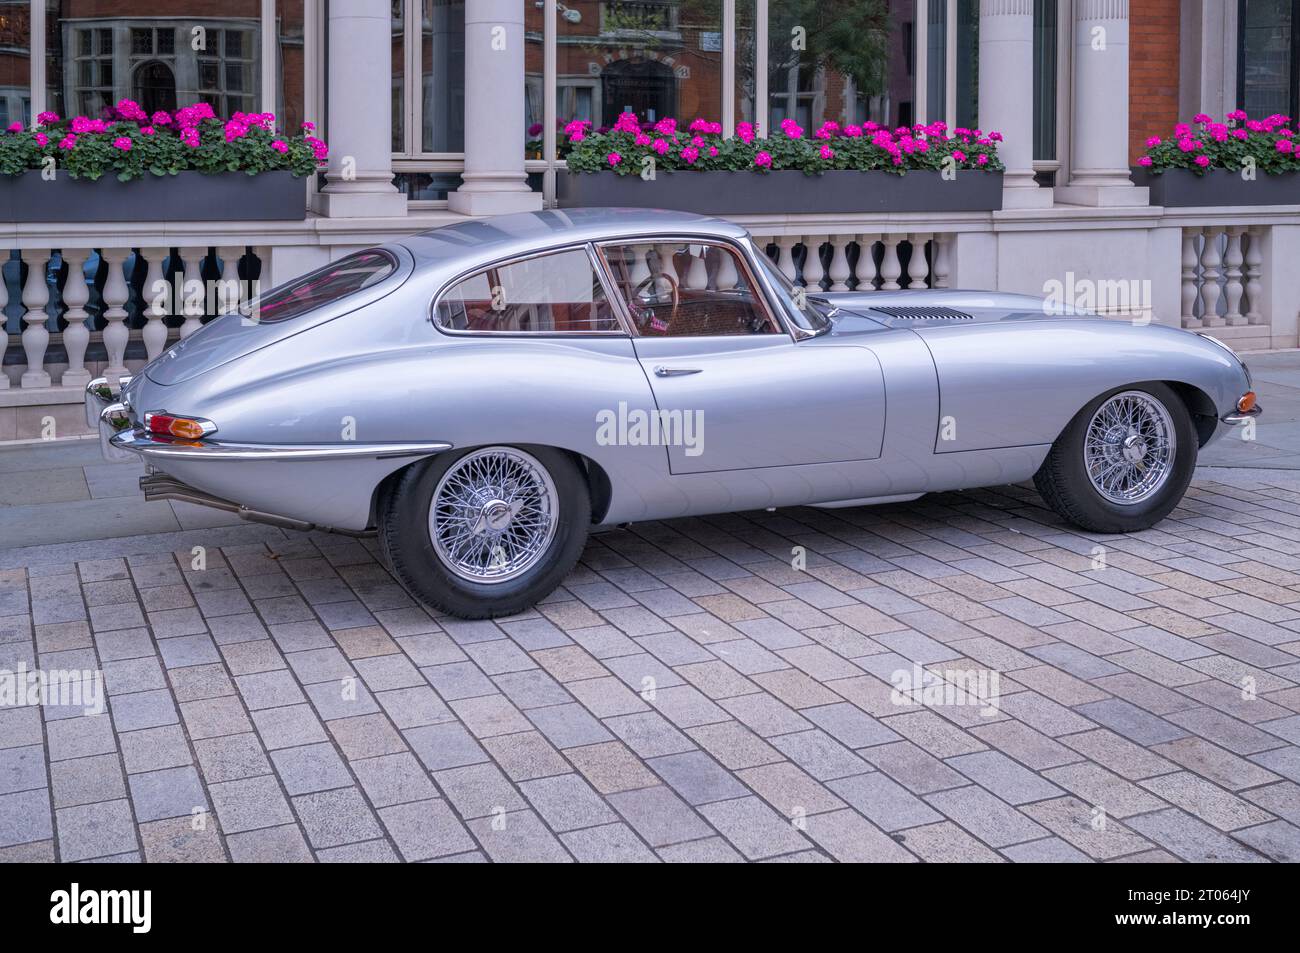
x,y
484,395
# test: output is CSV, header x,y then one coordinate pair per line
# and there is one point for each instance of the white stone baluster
x,y
1211,259
785,256
865,272
640,268
76,336
1189,290
840,272
1232,288
941,252
1254,275
157,298
36,338
231,258
918,269
115,294
813,270
697,272
727,276
667,255
890,267
196,298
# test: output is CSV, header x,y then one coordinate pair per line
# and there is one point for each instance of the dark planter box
x,y
186,197
730,193
1182,188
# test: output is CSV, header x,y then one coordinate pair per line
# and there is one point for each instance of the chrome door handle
x,y
662,371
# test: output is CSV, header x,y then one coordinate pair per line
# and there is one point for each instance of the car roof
x,y
466,243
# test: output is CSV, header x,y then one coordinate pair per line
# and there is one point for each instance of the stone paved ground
x,y
687,695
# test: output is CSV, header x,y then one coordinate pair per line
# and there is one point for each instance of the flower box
x,y
1183,188
724,192
188,196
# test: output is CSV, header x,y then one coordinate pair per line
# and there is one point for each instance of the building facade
x,y
436,110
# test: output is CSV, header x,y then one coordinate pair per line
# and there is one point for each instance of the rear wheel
x,y
486,532
1124,461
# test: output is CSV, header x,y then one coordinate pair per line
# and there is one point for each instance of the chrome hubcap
x,y
493,515
1128,451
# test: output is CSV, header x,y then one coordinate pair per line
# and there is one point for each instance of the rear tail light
x,y
171,425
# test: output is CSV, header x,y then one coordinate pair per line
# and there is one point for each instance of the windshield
x,y
795,300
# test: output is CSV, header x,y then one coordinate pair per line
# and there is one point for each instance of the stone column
x,y
494,178
1099,170
1006,70
360,130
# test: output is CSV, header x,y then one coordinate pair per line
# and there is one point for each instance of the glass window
x,y
399,75
202,51
800,307
1267,70
442,74
847,62
559,293
15,63
1045,40
322,286
677,289
289,43
968,64
656,58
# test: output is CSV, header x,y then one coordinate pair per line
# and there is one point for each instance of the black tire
x,y
405,540
1063,480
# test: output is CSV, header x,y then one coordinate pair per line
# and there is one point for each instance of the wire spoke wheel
x,y
1129,447
493,515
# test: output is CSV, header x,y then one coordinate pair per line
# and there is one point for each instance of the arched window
x,y
155,86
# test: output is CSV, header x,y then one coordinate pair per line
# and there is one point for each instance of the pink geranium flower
x,y
745,130
690,154
614,158
42,139
1202,161
15,127
47,118
161,118
68,141
660,146
763,160
280,146
1285,146
1143,161
130,109
1153,142
147,130
123,142
827,152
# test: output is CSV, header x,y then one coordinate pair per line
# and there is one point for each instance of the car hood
x,y
917,310
230,336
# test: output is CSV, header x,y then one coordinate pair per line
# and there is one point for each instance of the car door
x,y
734,390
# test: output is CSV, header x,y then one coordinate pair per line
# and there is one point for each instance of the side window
x,y
558,293
677,289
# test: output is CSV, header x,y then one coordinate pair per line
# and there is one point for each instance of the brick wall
x,y
1153,71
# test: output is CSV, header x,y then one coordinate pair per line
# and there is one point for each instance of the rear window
x,y
315,289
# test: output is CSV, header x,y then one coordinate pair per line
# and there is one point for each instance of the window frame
x,y
506,261
763,292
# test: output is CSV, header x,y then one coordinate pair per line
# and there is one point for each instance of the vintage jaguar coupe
x,y
484,395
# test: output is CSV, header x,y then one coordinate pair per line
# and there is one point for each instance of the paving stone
x,y
1276,840
283,845
1080,825
231,758
310,768
80,737
1012,782
991,820
95,830
175,840
394,779
269,690
1206,801
526,755
660,816
286,727
754,828
171,792
249,804
444,746
849,838
331,818
532,689
567,802
1192,839
946,843
608,843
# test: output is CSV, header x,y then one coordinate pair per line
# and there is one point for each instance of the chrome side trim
x,y
138,441
1238,417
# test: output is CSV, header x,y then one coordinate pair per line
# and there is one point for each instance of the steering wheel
x,y
647,296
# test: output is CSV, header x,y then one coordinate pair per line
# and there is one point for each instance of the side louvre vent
x,y
923,314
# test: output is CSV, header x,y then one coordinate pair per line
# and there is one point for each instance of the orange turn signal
x,y
183,427
1247,402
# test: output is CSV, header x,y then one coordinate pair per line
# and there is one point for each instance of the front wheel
x,y
486,532
1124,461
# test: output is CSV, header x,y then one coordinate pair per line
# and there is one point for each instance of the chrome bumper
x,y
1238,417
160,449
